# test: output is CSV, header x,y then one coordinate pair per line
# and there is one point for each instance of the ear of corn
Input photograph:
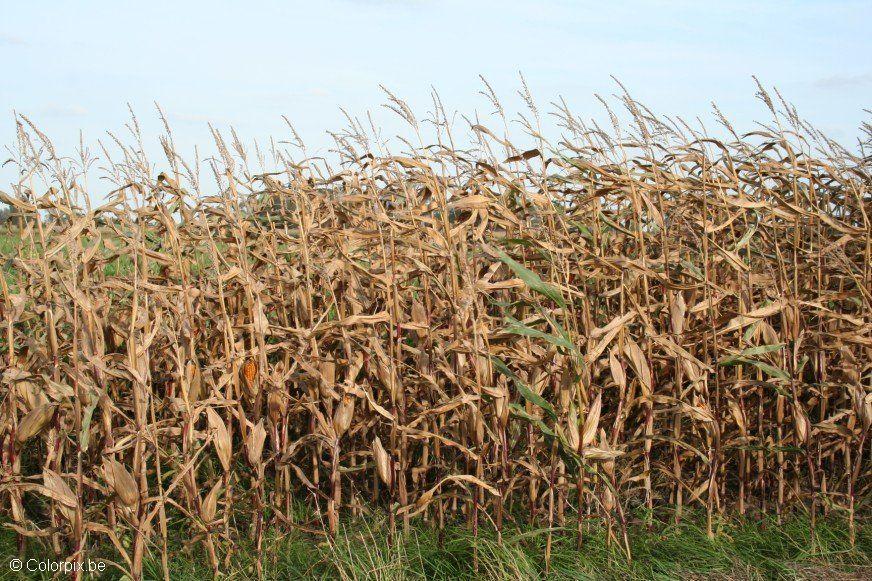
x,y
34,422
120,482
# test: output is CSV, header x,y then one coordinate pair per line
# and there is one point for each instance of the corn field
x,y
633,318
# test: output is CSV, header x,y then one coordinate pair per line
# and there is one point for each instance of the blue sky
x,y
76,65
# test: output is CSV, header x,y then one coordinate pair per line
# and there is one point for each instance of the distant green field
x,y
7,243
10,242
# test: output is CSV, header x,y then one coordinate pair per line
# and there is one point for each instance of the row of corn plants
x,y
638,317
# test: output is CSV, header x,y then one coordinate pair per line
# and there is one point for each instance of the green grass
x,y
741,550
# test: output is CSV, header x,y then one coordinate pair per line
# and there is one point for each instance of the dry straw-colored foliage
x,y
640,317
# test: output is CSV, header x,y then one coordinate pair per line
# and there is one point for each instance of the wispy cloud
x,y
195,118
844,81
11,40
281,98
61,110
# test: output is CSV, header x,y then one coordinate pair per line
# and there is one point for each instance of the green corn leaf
x,y
520,412
750,352
769,370
516,327
746,237
527,393
749,332
532,280
87,415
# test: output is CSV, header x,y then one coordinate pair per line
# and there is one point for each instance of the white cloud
x,y
844,81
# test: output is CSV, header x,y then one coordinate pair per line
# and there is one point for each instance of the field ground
x,y
740,550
